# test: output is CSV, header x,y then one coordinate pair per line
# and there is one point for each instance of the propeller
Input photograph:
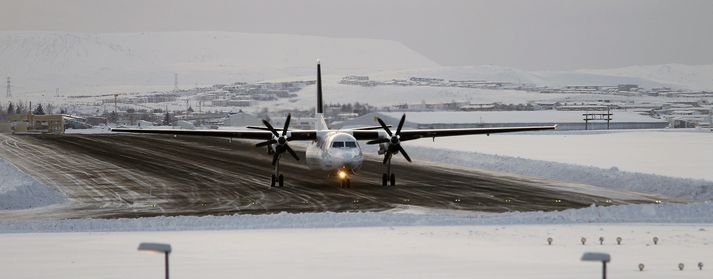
x,y
280,140
394,140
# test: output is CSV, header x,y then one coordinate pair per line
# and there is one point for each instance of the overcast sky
x,y
527,34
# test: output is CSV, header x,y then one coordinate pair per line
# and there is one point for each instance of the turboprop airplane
x,y
335,152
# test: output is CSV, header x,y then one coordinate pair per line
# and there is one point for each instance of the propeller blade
x,y
401,124
377,141
387,156
287,124
272,141
383,125
403,152
289,149
275,157
267,124
258,128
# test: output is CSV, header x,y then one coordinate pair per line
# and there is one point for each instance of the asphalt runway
x,y
131,175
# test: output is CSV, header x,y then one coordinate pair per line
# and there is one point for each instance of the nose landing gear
x,y
343,176
345,183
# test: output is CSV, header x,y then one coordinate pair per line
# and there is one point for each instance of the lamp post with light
x,y
157,247
598,257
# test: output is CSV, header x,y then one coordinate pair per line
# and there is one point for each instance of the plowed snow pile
x,y
20,191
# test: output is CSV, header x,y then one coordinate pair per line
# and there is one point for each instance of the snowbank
x,y
648,213
612,178
20,191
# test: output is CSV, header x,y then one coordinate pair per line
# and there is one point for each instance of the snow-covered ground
x,y
662,152
301,249
20,191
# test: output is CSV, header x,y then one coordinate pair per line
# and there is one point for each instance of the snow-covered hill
x,y
92,63
698,77
683,76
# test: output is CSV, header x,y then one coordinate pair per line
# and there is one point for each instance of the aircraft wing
x,y
432,133
238,134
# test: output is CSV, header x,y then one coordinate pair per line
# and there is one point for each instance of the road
x,y
122,175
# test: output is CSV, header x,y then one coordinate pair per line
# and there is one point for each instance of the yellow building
x,y
22,123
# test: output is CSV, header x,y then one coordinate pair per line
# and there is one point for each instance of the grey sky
x,y
552,34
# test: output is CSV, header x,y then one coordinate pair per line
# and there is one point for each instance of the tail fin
x,y
319,88
319,124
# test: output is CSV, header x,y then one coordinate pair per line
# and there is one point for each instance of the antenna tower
x,y
9,88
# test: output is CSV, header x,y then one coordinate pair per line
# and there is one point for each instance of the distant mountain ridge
x,y
92,63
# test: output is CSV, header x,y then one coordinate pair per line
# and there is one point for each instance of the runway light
x,y
656,240
680,266
549,241
641,267
618,240
342,174
700,265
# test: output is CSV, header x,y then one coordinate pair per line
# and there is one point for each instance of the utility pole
x,y
9,88
175,82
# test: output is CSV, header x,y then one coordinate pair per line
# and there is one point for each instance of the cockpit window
x,y
350,144
338,144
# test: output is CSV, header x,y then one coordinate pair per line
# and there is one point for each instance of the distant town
x,y
228,105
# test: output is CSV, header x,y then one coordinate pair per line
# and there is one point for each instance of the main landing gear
x,y
277,179
388,176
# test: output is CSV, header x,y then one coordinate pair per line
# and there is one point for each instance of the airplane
x,y
335,152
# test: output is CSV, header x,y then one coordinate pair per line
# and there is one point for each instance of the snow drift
x,y
647,213
20,191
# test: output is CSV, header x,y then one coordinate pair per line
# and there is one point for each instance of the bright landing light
x,y
342,174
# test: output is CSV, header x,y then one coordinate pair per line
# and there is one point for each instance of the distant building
x,y
242,119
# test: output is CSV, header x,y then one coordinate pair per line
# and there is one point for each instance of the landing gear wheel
x,y
393,179
282,181
348,183
272,181
384,179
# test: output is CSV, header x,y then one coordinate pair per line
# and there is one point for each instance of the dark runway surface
x,y
120,175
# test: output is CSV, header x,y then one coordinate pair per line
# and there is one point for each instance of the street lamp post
x,y
598,257
157,247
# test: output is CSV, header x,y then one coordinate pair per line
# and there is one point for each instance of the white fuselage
x,y
334,151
